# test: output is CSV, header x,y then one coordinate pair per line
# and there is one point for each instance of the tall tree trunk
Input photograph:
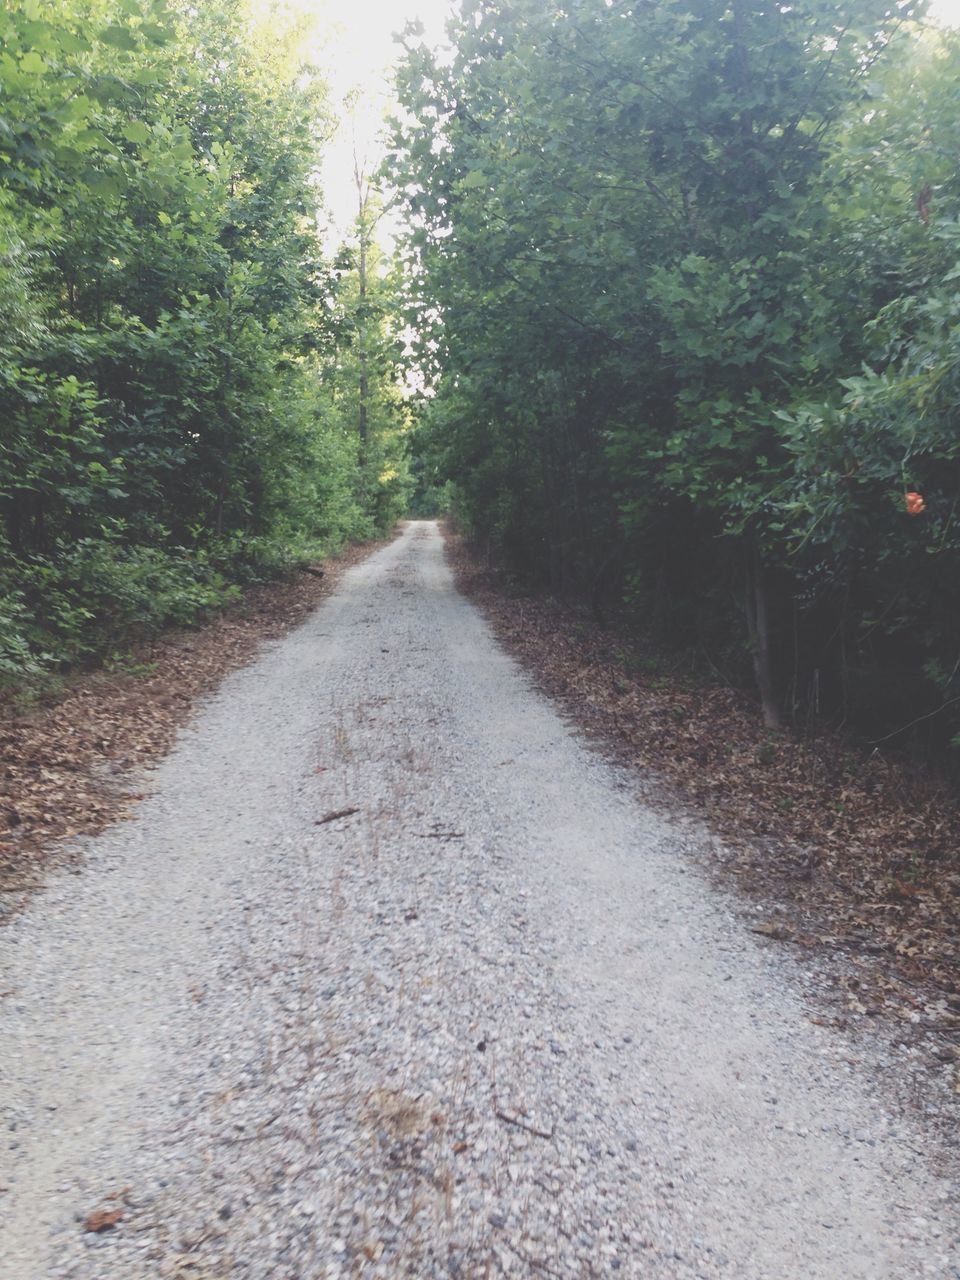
x,y
758,630
364,377
226,445
363,389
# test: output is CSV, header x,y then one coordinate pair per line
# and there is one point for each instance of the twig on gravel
x,y
775,931
440,835
254,1137
211,1233
521,1124
337,813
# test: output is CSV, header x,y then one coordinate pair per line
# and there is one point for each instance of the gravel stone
x,y
494,1023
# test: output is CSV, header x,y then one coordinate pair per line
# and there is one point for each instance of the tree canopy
x,y
684,276
173,419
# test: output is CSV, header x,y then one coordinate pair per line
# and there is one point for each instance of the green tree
x,y
168,315
634,252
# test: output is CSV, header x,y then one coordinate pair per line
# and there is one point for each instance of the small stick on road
x,y
520,1124
337,813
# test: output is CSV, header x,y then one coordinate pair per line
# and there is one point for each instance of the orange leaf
x,y
103,1219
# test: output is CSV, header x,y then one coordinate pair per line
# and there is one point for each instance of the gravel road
x,y
491,1023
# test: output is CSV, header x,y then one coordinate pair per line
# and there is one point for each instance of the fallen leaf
x,y
102,1219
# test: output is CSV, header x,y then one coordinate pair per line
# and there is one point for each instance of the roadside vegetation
x,y
181,398
685,282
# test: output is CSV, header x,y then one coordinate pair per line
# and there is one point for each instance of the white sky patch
x,y
946,12
359,54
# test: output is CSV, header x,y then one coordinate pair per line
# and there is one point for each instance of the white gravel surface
x,y
492,1024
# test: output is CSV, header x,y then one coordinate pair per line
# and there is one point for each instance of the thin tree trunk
x,y
758,630
364,379
226,448
363,388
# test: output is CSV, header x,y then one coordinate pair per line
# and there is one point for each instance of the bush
x,y
100,594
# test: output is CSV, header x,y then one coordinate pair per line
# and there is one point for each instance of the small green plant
x,y
126,664
766,752
647,664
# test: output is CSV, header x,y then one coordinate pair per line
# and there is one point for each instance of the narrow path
x,y
491,1023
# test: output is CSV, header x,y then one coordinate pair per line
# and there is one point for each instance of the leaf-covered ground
x,y
72,766
851,854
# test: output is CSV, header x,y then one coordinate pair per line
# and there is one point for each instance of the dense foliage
x,y
175,408
685,279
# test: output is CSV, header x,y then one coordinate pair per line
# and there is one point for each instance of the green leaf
x,y
105,184
71,42
119,38
32,64
136,131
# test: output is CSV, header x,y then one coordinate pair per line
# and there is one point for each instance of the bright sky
x,y
358,54
946,11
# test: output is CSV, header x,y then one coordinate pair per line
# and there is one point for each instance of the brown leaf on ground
x,y
102,1219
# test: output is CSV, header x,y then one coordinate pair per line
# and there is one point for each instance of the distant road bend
x,y
490,1021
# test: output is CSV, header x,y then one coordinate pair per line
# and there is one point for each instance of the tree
x,y
170,311
635,253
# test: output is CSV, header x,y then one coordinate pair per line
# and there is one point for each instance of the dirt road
x,y
489,1021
